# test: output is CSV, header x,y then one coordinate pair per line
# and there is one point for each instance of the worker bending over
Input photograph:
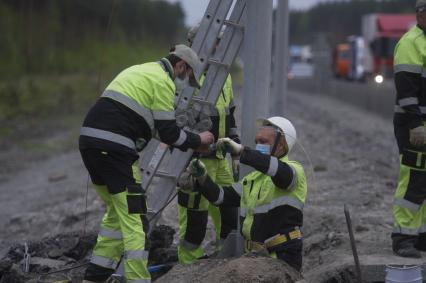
x,y
135,107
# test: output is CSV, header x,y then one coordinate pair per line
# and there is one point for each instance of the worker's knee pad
x,y
136,200
416,190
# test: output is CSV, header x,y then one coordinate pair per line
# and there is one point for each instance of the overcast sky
x,y
194,9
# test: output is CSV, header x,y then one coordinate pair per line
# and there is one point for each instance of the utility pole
x,y
279,93
257,68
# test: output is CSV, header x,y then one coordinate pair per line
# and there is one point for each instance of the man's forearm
x,y
281,173
217,195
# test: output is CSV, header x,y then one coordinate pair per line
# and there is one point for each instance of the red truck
x,y
371,54
381,33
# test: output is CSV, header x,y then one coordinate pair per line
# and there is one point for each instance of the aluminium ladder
x,y
173,161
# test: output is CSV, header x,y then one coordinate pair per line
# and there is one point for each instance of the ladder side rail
x,y
204,42
179,159
226,53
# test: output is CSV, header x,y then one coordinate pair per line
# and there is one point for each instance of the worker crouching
x,y
271,198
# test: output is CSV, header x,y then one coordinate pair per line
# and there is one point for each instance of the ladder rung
x,y
216,62
201,101
233,24
164,174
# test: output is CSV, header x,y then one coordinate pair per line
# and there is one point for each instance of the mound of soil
x,y
249,268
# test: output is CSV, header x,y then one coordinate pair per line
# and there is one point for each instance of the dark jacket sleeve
x,y
408,91
171,134
219,196
281,173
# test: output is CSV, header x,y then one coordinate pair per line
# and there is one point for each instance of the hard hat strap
x,y
277,140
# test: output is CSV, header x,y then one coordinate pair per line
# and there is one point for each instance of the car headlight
x,y
379,79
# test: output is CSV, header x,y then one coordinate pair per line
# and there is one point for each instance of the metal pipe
x,y
353,245
257,68
279,93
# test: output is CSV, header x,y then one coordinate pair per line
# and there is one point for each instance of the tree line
x,y
45,36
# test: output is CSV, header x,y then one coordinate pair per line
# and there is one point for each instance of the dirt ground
x,y
349,156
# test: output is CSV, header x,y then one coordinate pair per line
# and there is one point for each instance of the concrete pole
x,y
257,68
279,92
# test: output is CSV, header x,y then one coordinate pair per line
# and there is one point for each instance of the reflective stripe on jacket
x,y
138,103
266,209
410,78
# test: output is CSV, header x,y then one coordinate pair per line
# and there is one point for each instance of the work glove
x,y
228,145
236,169
186,182
417,136
197,169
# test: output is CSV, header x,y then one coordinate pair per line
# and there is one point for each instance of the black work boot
x,y
409,251
404,246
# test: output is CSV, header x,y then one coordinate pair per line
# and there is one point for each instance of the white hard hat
x,y
191,58
284,125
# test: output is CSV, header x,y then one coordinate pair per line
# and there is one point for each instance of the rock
x,y
38,264
162,255
320,168
57,177
5,265
68,260
14,275
55,253
56,277
161,250
70,220
360,228
69,243
83,247
161,237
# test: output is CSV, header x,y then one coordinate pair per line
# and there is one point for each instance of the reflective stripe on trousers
x,y
104,262
410,231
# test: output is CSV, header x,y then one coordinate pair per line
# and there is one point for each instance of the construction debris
x,y
63,252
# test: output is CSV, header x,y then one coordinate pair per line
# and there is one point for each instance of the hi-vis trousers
x,y
409,208
116,178
193,210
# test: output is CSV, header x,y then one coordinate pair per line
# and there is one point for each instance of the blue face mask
x,y
263,148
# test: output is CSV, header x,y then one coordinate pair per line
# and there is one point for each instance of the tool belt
x,y
273,242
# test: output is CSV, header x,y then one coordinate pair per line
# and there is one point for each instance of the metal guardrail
x,y
369,96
